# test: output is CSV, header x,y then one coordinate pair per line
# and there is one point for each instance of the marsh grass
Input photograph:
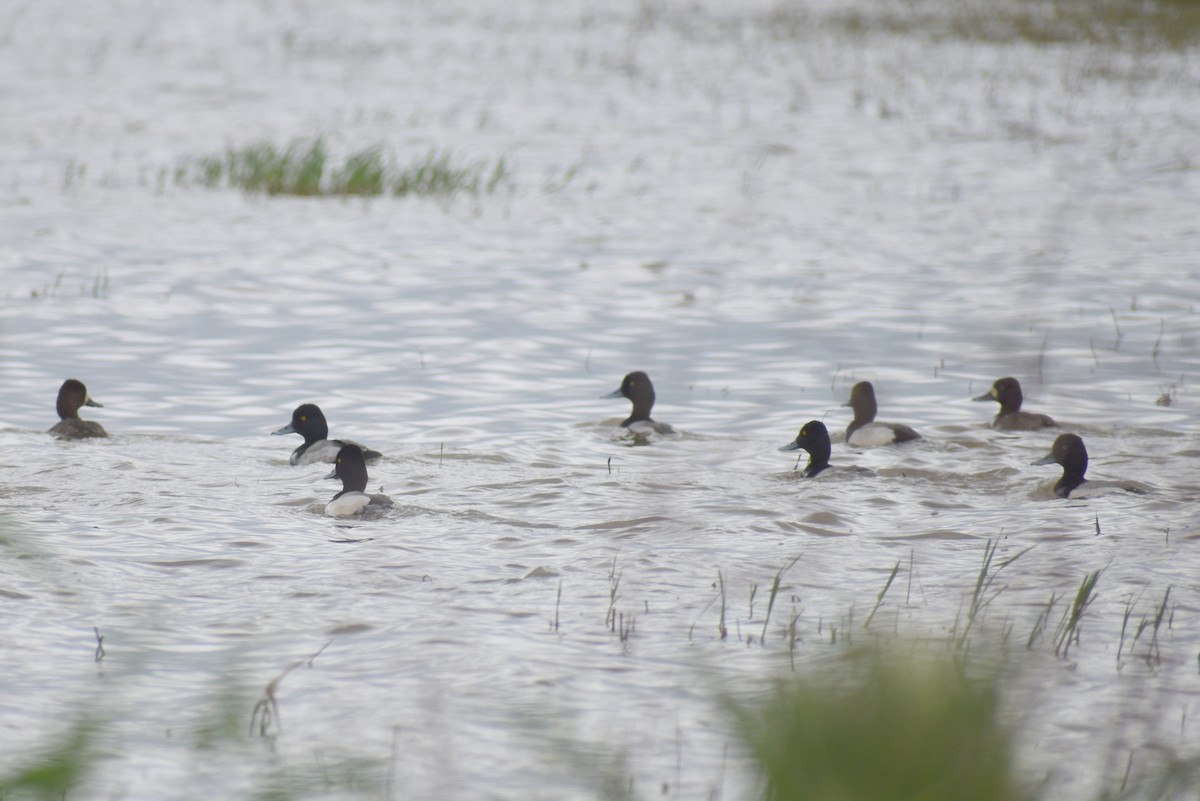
x,y
1068,628
56,772
983,594
882,593
1116,24
1153,655
305,168
886,726
771,600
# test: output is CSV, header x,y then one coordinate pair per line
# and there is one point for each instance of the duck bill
x,y
288,429
1047,459
616,393
987,396
794,445
848,403
90,402
331,474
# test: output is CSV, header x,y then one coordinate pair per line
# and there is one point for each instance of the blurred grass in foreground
x,y
1139,25
52,774
305,168
887,727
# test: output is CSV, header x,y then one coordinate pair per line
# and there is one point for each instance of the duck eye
x,y
804,432
303,418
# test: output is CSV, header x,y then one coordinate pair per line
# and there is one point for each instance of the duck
x,y
351,467
1007,391
863,431
814,438
309,422
1070,452
637,387
73,395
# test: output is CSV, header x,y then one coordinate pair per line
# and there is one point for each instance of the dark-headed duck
x,y
309,422
1007,392
1069,451
73,395
350,466
863,431
637,387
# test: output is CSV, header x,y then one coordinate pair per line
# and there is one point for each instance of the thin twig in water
x,y
614,582
774,592
724,631
100,652
557,603
879,600
266,711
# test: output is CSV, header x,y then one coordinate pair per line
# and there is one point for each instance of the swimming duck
x,y
863,431
637,387
1069,451
1007,391
71,396
309,422
814,438
350,466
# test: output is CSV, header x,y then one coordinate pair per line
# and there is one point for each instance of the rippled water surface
x,y
759,206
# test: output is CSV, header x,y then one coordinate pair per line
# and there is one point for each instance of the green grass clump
x,y
891,727
1138,25
305,169
55,773
294,170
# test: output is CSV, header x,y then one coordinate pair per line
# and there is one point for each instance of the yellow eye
x,y
339,461
303,418
804,432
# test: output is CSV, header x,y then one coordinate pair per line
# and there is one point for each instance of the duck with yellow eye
x,y
814,438
353,500
309,422
73,395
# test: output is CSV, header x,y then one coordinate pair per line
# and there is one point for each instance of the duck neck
x,y
1072,477
814,467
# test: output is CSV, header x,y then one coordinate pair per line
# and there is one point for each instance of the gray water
x,y
758,206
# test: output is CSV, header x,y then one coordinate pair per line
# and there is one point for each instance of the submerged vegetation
x,y
305,168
